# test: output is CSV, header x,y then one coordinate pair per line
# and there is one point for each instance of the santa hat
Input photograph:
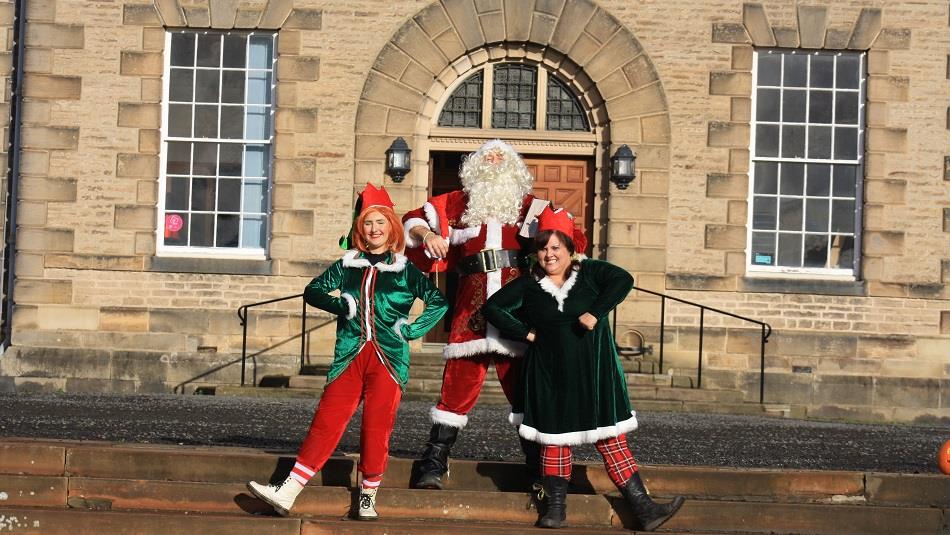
x,y
561,220
369,197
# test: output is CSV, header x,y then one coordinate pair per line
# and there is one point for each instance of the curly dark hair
x,y
541,239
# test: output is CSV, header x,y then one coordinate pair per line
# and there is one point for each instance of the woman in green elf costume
x,y
371,359
574,387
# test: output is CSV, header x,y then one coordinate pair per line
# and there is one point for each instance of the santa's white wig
x,y
495,190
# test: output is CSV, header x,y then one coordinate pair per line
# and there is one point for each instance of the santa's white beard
x,y
495,191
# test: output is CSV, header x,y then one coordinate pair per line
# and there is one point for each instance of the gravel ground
x,y
663,438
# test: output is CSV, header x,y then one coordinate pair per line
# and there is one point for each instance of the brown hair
x,y
397,239
541,239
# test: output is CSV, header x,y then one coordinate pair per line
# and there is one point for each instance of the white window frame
x,y
187,251
851,274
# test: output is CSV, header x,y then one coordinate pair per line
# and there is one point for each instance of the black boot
x,y
650,514
555,501
532,462
435,460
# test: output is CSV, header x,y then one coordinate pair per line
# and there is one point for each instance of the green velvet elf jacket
x,y
374,304
573,384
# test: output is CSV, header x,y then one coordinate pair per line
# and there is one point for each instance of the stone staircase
x,y
648,390
86,488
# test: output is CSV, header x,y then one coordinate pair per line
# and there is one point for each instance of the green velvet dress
x,y
574,387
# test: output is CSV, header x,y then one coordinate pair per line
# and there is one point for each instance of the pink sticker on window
x,y
173,222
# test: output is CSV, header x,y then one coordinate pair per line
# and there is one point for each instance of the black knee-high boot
x,y
435,460
650,514
555,501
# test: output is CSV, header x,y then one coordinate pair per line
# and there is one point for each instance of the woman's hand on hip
x,y
588,321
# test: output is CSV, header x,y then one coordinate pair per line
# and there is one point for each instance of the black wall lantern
x,y
397,160
622,167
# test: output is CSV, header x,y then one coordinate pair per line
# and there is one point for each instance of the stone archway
x,y
599,56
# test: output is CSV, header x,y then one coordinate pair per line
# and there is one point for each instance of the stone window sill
x,y
803,286
224,266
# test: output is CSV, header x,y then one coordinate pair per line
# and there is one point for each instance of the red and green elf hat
x,y
369,197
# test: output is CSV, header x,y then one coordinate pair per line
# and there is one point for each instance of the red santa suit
x,y
486,256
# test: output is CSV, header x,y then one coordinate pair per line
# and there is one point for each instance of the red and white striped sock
x,y
372,482
302,473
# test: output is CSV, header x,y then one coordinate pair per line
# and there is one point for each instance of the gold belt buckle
x,y
489,260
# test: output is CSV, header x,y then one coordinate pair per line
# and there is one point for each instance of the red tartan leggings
x,y
366,379
618,460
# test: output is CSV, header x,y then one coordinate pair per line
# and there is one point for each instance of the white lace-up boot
x,y
281,496
366,508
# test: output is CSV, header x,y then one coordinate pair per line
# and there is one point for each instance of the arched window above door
x,y
514,96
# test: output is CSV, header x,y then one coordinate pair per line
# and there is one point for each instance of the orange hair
x,y
397,239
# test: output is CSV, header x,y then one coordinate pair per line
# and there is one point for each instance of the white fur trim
x,y
450,419
559,294
350,260
350,304
410,224
500,346
492,234
432,217
397,327
461,235
575,438
515,418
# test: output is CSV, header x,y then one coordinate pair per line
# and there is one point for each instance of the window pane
x,y
227,234
770,69
564,111
229,195
842,216
793,178
514,105
256,160
842,252
206,159
230,164
848,72
260,52
766,140
180,82
846,143
764,211
232,88
176,229
767,105
796,70
178,158
258,124
258,87
822,71
816,215
844,183
209,50
819,180
763,248
202,230
206,86
232,122
206,121
819,142
793,106
819,107
816,250
254,229
183,49
766,177
790,214
790,250
202,194
234,50
846,107
255,197
464,107
179,120
793,141
176,193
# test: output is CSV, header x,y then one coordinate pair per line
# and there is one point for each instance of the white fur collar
x,y
559,294
351,259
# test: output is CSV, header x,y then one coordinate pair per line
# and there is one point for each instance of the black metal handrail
x,y
764,337
242,314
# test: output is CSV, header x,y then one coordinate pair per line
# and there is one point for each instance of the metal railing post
x,y
662,329
699,366
303,333
243,342
762,364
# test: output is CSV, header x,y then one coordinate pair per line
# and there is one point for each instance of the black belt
x,y
488,260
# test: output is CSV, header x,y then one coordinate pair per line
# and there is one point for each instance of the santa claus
x,y
474,231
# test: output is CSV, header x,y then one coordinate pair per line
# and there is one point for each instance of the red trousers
x,y
366,379
463,377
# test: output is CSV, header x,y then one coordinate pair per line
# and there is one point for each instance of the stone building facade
x,y
107,300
